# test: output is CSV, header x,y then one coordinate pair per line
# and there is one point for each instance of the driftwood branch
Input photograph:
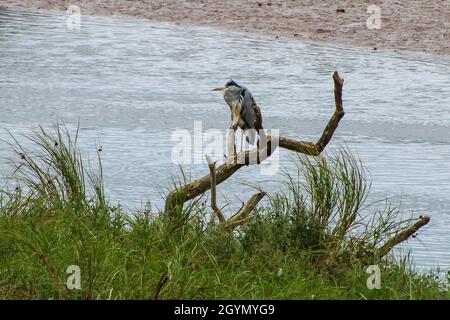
x,y
212,172
241,216
198,187
402,236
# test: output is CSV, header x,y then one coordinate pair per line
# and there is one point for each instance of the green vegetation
x,y
313,242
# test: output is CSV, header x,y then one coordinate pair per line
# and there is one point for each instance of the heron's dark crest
x,y
231,83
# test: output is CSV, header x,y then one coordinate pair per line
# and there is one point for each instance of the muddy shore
x,y
404,25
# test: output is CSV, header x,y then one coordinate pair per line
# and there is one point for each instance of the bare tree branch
x,y
198,187
242,215
402,236
212,170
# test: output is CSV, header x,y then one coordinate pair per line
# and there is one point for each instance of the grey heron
x,y
245,113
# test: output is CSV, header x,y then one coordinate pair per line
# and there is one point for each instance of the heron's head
x,y
229,86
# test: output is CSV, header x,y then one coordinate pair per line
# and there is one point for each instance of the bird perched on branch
x,y
245,113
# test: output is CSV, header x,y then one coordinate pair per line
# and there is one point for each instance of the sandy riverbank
x,y
406,25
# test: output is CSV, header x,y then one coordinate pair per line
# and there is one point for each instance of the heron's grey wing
x,y
247,112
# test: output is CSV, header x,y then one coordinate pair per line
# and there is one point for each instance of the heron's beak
x,y
219,89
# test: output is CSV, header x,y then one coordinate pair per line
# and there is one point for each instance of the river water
x,y
133,85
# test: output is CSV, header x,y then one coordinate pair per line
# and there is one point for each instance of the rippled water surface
x,y
131,83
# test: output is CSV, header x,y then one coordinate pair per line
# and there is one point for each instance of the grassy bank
x,y
312,242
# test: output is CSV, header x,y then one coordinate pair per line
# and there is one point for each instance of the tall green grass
x,y
325,213
307,243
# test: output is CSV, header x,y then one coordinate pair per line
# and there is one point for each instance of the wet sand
x,y
405,25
